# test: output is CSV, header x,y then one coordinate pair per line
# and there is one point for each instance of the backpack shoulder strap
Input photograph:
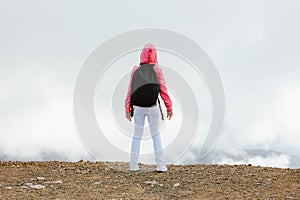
x,y
161,113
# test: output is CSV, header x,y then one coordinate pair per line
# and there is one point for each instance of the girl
x,y
148,64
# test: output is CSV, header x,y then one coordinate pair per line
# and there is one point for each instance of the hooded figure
x,y
148,56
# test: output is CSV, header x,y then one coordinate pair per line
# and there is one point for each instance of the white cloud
x,y
254,44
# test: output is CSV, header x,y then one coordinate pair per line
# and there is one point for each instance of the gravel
x,y
113,180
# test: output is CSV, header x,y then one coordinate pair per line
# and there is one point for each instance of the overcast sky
x,y
254,44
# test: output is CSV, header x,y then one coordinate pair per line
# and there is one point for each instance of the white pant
x,y
153,116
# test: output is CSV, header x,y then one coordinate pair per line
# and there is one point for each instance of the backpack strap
x,y
162,115
131,112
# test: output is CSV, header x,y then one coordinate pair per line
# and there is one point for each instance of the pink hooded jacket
x,y
149,56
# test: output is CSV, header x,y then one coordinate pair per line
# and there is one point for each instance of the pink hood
x,y
148,54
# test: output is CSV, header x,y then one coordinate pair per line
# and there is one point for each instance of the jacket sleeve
x,y
127,100
163,89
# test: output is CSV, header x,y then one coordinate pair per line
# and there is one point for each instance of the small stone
x,y
40,178
151,182
53,182
37,186
176,185
28,184
8,187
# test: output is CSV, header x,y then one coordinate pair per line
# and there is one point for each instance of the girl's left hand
x,y
128,116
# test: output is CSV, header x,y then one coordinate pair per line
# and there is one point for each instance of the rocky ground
x,y
104,180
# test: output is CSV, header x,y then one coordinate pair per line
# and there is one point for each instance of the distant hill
x,y
254,156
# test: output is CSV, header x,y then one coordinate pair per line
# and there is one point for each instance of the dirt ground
x,y
111,180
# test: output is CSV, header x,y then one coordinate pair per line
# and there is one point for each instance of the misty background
x,y
255,46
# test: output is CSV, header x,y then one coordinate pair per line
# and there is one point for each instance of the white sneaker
x,y
134,167
162,169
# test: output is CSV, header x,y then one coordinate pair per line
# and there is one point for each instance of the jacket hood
x,y
148,55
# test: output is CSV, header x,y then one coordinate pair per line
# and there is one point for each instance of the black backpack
x,y
144,88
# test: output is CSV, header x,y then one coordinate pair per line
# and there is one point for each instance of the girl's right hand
x,y
170,114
